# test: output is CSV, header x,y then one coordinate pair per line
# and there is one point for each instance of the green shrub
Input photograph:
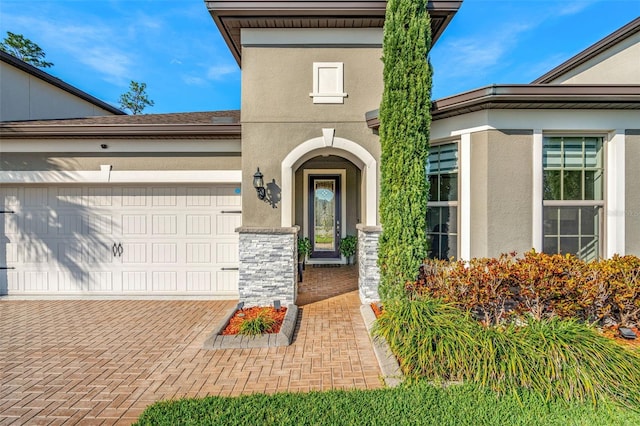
x,y
405,119
348,246
304,247
553,358
262,323
431,339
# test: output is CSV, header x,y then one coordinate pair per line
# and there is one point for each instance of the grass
x,y
262,323
415,404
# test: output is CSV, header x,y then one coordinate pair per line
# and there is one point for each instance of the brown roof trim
x,y
118,131
612,39
38,73
225,13
528,96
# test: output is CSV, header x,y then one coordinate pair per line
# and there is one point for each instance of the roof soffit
x,y
231,16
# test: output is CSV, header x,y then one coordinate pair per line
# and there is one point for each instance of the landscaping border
x,y
215,340
391,373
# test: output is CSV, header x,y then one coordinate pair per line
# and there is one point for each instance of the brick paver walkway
x,y
103,362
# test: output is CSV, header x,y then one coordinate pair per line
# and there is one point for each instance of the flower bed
x,y
248,314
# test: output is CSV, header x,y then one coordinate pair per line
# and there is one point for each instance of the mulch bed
x,y
377,309
242,315
612,333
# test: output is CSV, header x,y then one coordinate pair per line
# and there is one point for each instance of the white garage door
x,y
120,240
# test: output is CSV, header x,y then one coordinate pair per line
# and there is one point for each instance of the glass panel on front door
x,y
324,216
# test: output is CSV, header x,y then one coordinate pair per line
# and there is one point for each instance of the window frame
x,y
448,203
600,204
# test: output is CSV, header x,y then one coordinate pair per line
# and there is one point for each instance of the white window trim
x,y
615,210
612,239
328,98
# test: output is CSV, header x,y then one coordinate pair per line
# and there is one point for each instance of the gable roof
x,y
592,51
233,15
210,124
54,81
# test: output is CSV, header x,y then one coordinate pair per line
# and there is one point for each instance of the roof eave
x,y
592,51
527,96
116,131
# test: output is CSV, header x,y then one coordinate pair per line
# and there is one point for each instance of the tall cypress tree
x,y
405,117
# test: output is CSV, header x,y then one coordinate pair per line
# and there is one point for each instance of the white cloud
x,y
93,44
220,72
481,52
573,7
194,81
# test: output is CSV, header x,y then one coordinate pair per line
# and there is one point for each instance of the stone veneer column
x,y
369,274
268,265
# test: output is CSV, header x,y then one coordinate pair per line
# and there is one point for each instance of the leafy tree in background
x,y
136,99
24,49
405,119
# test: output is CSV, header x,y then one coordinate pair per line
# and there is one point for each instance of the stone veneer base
x,y
391,373
284,338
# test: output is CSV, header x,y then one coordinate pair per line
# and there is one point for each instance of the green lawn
x,y
417,404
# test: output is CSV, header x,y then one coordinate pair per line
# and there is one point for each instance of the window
x,y
442,212
328,83
573,195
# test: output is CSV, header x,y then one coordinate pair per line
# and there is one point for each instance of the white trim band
x,y
125,176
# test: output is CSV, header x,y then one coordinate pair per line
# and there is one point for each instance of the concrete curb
x,y
284,338
391,373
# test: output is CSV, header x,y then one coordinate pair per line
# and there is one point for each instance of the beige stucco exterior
x,y
501,188
278,114
26,97
617,65
632,193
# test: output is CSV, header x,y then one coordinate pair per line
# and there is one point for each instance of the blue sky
x,y
174,45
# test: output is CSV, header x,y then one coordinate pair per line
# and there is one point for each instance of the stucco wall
x,y
25,97
121,161
632,202
618,65
501,192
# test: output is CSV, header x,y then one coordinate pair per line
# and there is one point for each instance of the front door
x,y
324,216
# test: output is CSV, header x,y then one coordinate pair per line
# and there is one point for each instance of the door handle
x,y
114,250
120,249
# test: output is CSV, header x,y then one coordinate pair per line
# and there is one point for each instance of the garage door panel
x,y
198,253
134,281
68,197
198,197
198,224
134,253
164,224
228,196
164,197
35,222
134,224
164,253
224,253
99,224
134,197
34,252
226,281
99,197
164,281
226,224
35,197
36,281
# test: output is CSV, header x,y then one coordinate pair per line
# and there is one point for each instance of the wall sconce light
x,y
258,184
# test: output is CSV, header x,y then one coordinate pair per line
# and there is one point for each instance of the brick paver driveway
x,y
103,362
